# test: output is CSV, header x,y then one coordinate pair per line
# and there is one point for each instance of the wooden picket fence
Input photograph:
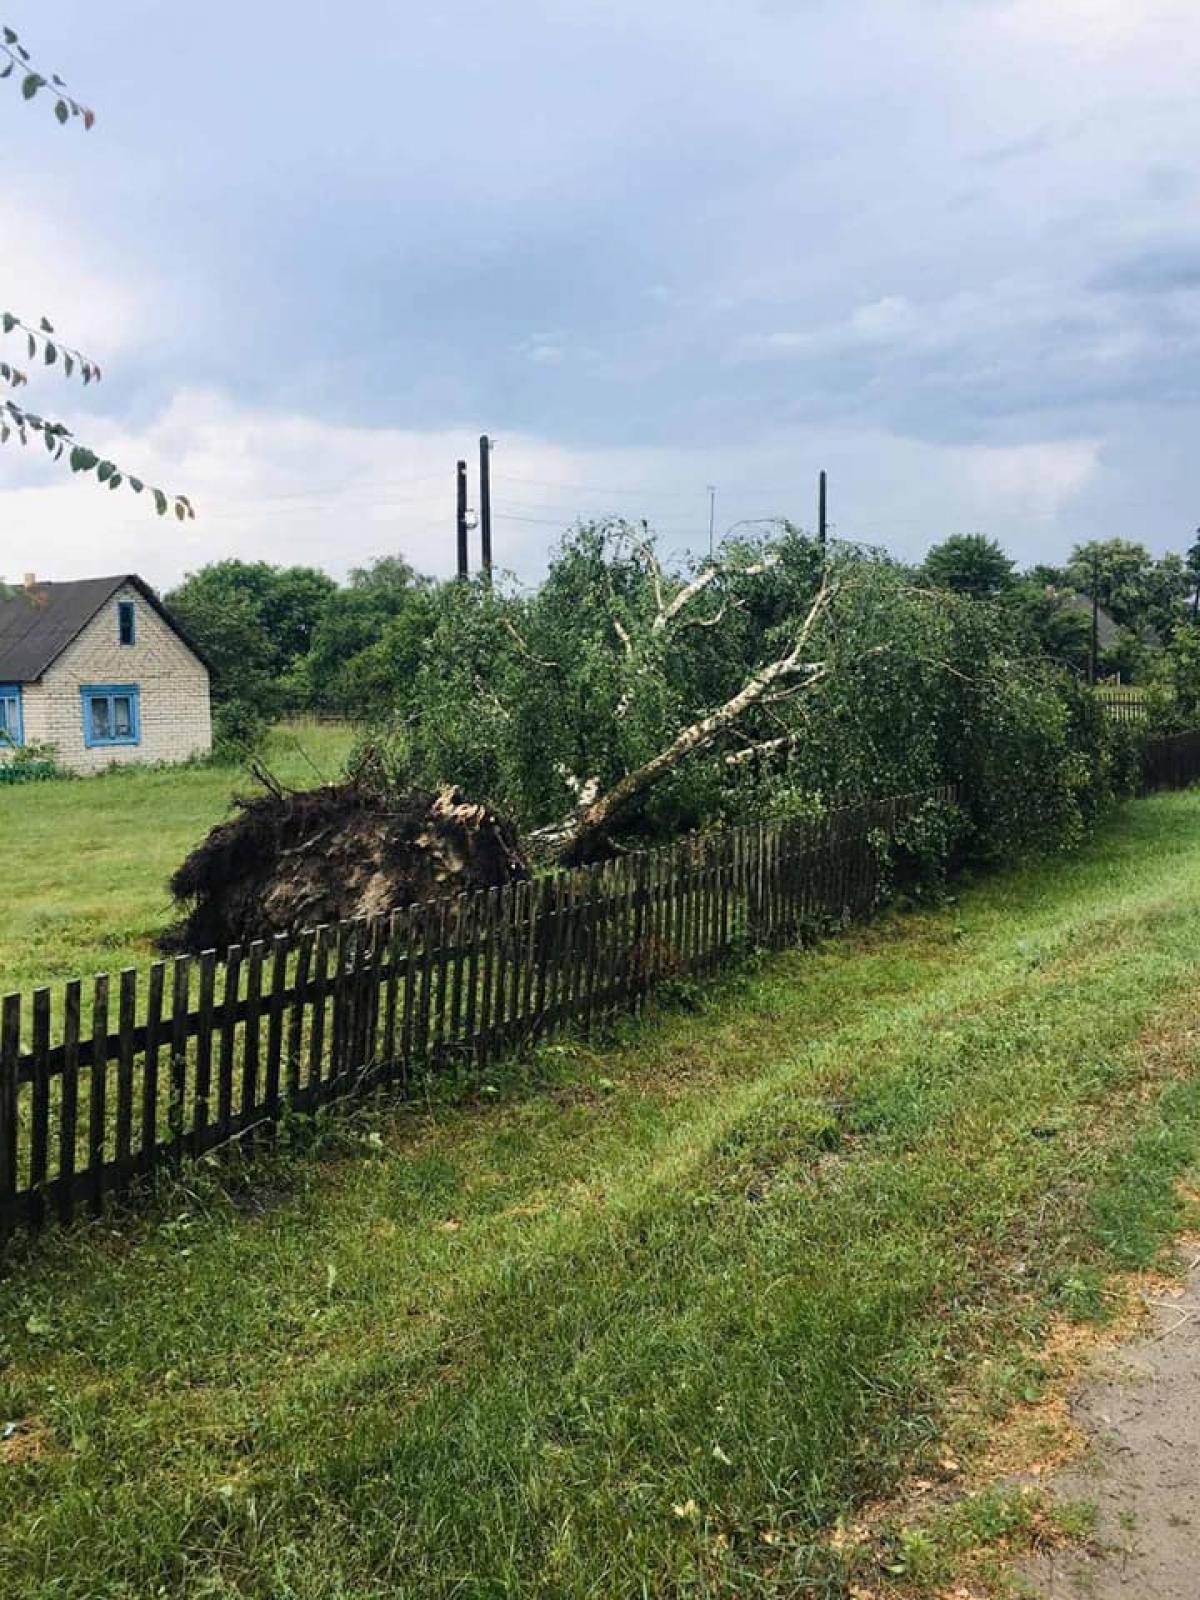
x,y
1127,707
209,1050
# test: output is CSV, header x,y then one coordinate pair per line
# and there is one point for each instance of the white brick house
x,y
99,670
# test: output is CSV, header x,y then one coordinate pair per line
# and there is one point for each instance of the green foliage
x,y
532,699
226,624
366,644
970,564
239,731
1173,693
254,621
16,62
28,763
42,342
1142,594
1054,622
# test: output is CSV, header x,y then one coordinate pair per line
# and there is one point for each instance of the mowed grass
x,y
634,1320
88,860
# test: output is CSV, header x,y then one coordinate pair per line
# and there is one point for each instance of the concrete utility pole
x,y
712,517
460,519
485,505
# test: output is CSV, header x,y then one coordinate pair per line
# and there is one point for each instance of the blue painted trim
x,y
126,608
12,691
91,692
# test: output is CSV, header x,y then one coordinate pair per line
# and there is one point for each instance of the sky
x,y
948,250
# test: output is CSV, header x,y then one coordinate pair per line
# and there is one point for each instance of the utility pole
x,y
485,506
712,516
1093,653
822,519
460,519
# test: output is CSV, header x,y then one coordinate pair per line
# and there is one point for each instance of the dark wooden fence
x,y
1171,762
205,1050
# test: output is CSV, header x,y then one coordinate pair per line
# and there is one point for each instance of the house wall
x,y
174,692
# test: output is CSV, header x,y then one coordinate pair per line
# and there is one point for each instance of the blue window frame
x,y
12,725
126,622
111,714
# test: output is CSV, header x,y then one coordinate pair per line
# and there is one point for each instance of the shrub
x,y
239,729
30,763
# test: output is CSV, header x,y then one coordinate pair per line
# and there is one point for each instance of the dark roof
x,y
1108,631
37,624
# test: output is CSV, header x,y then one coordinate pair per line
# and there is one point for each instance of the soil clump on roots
x,y
289,861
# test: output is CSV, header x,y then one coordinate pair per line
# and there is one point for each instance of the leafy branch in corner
x,y
17,59
42,342
51,349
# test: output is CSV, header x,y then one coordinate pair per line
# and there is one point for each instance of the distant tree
x,y
365,647
271,612
39,338
1048,577
1056,627
1191,564
1139,592
391,574
970,564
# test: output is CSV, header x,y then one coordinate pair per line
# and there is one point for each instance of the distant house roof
x,y
38,622
1108,631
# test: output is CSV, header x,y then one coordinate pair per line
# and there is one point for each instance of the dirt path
x,y
1142,1412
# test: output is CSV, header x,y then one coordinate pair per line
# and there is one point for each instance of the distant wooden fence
x,y
1125,706
207,1050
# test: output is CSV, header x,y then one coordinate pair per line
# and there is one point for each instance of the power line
x,y
595,488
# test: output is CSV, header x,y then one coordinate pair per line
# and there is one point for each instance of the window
x,y
126,621
11,729
111,714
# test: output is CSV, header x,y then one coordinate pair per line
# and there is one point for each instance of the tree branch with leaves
x,y
42,343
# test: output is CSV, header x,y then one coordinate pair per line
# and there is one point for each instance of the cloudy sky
x,y
947,249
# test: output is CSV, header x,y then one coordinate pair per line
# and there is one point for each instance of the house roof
x,y
37,624
1108,631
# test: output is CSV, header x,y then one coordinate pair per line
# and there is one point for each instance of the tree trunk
x,y
579,838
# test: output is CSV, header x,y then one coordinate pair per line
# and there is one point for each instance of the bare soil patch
x,y
1140,1413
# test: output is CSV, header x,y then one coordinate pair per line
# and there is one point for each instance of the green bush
x,y
28,763
239,729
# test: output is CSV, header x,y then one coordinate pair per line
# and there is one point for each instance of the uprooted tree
x,y
625,701
40,340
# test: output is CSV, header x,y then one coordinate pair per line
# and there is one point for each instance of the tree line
x,y
292,640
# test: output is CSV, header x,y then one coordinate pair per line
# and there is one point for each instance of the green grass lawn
x,y
633,1320
88,860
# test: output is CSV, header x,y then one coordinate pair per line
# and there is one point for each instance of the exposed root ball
x,y
288,862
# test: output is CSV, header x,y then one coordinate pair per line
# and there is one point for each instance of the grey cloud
x,y
1164,269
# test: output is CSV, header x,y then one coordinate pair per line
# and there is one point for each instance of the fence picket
x,y
39,1121
98,1093
68,1113
126,1019
150,1111
10,1105
229,1014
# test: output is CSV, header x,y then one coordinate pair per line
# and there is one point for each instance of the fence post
x,y
10,1048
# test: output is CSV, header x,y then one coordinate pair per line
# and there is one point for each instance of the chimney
x,y
31,580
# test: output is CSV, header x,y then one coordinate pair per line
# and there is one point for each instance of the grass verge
x,y
649,1319
93,855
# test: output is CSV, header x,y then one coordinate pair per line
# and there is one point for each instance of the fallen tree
x,y
582,835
